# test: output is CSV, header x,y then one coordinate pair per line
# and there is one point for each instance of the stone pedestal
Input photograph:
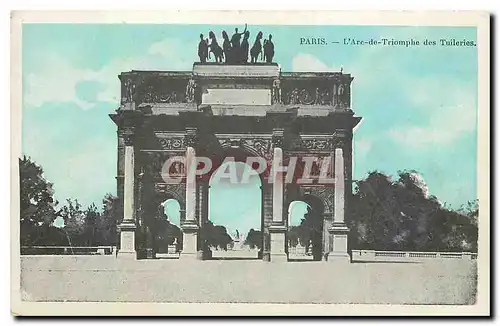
x,y
172,249
190,240
338,252
127,241
278,242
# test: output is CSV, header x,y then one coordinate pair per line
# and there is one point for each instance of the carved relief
x,y
161,90
317,144
153,163
177,191
260,146
309,96
174,143
326,194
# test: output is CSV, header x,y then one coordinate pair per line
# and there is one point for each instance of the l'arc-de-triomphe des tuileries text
x,y
240,110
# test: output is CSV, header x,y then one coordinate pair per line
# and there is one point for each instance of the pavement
x,y
106,278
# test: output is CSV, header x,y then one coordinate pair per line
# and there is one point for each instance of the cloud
x,y
362,147
308,62
451,115
56,78
449,105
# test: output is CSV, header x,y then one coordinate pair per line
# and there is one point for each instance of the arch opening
x,y
167,231
234,226
305,229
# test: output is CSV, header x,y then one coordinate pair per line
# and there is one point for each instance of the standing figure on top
x,y
202,49
264,52
226,47
256,48
243,55
235,39
269,50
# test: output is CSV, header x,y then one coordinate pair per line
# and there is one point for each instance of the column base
x,y
340,257
127,241
191,256
338,233
278,257
278,243
128,255
190,241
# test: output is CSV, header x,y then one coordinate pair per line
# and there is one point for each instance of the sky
x,y
418,104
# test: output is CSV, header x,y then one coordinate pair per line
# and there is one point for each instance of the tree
x,y
37,205
216,236
401,215
74,221
105,233
254,239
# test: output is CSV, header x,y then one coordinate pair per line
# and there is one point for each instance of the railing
x,y
410,256
65,250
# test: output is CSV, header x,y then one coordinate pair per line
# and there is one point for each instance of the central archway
x,y
233,229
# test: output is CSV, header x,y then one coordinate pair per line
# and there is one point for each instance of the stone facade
x,y
218,110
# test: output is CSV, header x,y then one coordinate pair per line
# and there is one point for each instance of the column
x,y
339,230
190,226
278,228
202,217
127,226
267,218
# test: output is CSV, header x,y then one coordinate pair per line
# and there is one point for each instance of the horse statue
x,y
215,48
256,48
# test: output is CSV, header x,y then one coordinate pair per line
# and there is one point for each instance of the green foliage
x,y
400,215
215,236
165,232
254,239
37,205
105,226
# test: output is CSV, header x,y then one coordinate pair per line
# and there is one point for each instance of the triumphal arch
x,y
241,110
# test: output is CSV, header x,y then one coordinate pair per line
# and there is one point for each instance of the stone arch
x,y
314,218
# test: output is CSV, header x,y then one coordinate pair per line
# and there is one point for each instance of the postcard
x,y
232,163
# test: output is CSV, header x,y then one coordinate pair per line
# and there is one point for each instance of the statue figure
x,y
341,96
294,96
317,98
237,234
243,55
269,49
191,90
129,90
226,47
235,39
265,47
175,241
215,48
256,48
276,91
202,49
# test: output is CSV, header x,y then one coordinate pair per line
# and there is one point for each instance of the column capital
x,y
128,134
278,137
191,136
